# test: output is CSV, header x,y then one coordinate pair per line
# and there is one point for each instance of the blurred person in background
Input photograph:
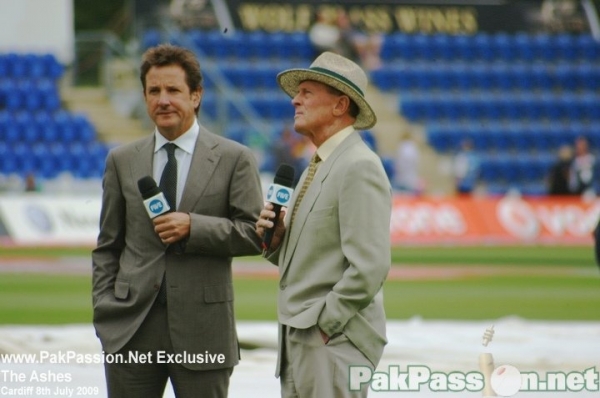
x,y
289,149
333,245
558,178
364,47
31,184
325,35
466,167
583,169
333,31
406,165
165,284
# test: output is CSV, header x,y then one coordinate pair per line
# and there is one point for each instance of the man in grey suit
x,y
162,287
332,246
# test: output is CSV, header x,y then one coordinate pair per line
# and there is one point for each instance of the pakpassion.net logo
x,y
505,380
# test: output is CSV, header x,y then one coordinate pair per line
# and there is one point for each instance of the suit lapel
x,y
203,165
142,158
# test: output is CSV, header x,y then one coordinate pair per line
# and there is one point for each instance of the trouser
x,y
312,369
148,380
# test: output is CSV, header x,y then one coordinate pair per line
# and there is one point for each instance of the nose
x,y
295,100
163,98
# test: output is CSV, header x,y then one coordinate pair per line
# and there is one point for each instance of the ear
x,y
342,105
196,97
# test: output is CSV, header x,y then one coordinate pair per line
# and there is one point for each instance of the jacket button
x,y
282,287
156,286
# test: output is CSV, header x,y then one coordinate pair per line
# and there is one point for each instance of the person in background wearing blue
x,y
466,168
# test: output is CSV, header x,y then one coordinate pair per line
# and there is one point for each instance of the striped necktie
x,y
312,169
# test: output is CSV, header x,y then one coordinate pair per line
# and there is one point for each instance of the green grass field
x,y
554,283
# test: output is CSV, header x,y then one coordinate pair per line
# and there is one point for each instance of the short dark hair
x,y
168,54
353,109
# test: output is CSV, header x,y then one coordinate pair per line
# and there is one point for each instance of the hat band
x,y
339,77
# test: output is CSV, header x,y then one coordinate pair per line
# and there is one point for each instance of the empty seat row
x,y
244,75
516,169
511,106
29,94
270,105
520,137
49,160
28,65
41,126
240,45
486,76
484,46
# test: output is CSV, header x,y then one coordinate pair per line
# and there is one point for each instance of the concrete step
x,y
111,126
390,129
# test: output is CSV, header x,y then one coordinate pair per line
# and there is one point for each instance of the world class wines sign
x,y
448,17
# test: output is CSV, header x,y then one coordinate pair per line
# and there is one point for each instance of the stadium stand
x,y
37,135
517,97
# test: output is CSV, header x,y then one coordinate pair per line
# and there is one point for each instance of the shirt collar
x,y
327,148
186,141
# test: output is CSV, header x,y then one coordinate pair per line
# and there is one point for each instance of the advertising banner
x,y
507,220
51,220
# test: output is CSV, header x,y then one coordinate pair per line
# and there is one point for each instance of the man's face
x,y
169,102
314,106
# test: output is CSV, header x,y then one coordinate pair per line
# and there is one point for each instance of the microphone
x,y
279,194
155,202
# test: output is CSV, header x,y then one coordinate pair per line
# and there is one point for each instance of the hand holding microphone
x,y
155,201
279,194
172,230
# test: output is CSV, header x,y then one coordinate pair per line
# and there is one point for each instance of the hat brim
x,y
290,79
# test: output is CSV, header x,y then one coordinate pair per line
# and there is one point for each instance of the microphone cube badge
x,y
279,194
157,205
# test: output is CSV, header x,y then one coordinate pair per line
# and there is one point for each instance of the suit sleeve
x,y
364,217
235,234
111,239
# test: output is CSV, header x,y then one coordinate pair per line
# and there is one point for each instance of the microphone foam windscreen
x,y
148,187
284,175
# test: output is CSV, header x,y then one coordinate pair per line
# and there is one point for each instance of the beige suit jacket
x,y
334,259
223,196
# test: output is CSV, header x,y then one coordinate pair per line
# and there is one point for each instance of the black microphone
x,y
155,201
157,204
279,194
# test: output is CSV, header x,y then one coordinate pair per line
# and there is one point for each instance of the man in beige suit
x,y
162,287
332,246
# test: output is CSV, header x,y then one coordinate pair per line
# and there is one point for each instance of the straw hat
x,y
338,72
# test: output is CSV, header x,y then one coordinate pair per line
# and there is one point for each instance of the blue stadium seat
x,y
483,47
566,47
442,48
8,160
588,47
524,47
151,38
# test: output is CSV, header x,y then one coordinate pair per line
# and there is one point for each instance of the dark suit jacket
x,y
224,197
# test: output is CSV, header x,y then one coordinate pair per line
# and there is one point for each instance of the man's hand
x,y
172,227
265,222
